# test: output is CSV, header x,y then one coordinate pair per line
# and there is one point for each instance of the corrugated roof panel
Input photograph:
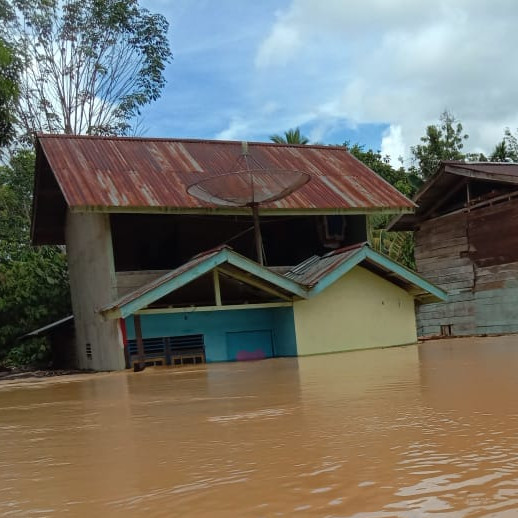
x,y
108,173
309,272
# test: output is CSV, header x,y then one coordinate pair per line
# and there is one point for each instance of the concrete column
x,y
93,285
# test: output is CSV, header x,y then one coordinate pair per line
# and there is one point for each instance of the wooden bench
x,y
175,351
191,356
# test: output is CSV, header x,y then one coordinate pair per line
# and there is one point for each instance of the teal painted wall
x,y
284,339
245,345
216,324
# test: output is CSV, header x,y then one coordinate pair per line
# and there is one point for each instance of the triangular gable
x,y
322,272
305,280
193,269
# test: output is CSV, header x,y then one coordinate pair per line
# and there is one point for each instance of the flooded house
x,y
170,264
465,243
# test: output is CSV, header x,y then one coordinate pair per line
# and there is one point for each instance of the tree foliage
x,y
16,181
399,246
292,136
10,68
80,67
405,182
33,281
507,149
443,141
89,65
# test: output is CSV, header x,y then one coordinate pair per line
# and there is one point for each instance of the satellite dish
x,y
249,187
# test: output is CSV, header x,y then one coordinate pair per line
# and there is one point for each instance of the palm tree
x,y
502,153
292,136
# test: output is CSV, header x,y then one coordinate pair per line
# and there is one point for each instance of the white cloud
x,y
279,47
399,63
392,144
236,130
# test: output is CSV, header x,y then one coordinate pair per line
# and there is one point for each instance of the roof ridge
x,y
218,248
347,248
462,163
190,140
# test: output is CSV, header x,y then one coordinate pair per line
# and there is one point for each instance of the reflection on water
x,y
429,430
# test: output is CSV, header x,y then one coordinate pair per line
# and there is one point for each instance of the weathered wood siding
x,y
474,257
441,254
494,251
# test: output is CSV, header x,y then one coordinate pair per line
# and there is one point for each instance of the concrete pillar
x,y
93,285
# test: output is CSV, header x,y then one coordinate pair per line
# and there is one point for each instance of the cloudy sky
x,y
374,72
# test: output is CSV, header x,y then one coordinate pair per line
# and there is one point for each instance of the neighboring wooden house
x,y
151,275
466,243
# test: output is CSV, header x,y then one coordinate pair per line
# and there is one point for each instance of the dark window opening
x,y
446,330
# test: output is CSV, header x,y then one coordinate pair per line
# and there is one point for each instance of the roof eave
x,y
142,297
366,253
407,275
232,211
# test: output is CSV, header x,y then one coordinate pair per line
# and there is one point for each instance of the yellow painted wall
x,y
359,311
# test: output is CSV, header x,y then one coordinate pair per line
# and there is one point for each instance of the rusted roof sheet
x,y
447,178
309,272
126,174
318,273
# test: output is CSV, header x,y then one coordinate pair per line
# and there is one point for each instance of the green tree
x,y
399,246
10,68
507,149
292,136
33,281
443,141
16,181
90,65
405,182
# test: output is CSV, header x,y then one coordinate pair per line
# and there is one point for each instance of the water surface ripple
x,y
418,431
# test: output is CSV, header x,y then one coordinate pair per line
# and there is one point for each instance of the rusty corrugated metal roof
x,y
125,174
309,272
317,273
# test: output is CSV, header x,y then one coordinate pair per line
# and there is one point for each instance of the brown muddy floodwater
x,y
419,431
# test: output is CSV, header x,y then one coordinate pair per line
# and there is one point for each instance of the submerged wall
x,y
472,255
359,311
220,328
441,253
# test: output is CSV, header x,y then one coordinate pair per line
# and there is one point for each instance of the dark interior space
x,y
200,292
479,191
160,242
51,218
